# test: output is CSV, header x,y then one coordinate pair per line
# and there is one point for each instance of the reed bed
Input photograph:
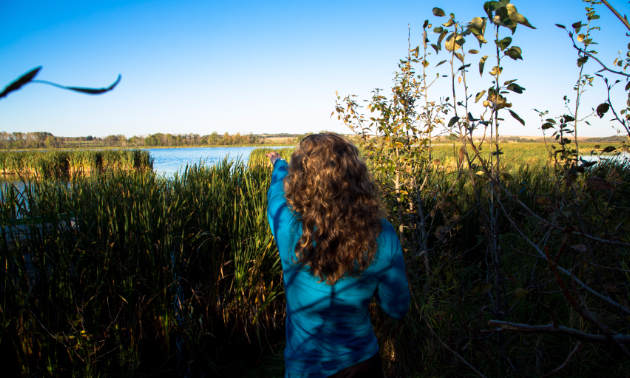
x,y
517,155
49,164
131,273
143,273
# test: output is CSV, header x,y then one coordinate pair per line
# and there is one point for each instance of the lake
x,y
170,160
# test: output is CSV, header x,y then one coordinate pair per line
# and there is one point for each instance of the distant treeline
x,y
46,140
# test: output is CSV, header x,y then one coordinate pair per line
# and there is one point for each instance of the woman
x,y
337,252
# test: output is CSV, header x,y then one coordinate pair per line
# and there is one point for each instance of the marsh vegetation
x,y
517,254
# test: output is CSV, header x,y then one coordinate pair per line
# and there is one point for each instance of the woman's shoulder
x,y
388,229
388,238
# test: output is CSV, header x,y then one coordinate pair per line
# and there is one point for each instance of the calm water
x,y
170,160
621,157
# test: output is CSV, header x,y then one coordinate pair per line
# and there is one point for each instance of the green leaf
x,y
19,82
502,18
439,64
488,7
602,109
516,117
561,26
609,149
547,125
478,96
460,57
496,71
517,17
477,26
577,26
454,42
464,66
441,38
568,118
438,12
514,52
582,60
482,62
515,88
504,43
453,121
473,51
448,23
510,82
438,30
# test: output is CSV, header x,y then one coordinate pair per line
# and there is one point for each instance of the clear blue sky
x,y
203,66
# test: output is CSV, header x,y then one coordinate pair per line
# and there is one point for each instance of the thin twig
x,y
612,242
598,61
566,362
442,342
551,329
561,269
582,310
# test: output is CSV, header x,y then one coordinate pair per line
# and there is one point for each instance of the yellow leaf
x,y
454,42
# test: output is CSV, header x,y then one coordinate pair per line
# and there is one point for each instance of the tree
x,y
50,142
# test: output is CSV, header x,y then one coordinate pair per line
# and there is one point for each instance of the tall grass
x,y
58,163
130,273
148,274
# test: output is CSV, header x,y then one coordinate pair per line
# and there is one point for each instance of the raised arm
x,y
277,212
392,293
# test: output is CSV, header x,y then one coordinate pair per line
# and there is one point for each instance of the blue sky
x,y
204,66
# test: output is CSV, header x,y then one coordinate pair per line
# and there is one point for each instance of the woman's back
x,y
328,326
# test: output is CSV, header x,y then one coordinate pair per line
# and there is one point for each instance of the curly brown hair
x,y
331,190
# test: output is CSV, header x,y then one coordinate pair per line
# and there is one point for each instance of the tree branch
x,y
580,233
622,19
598,61
553,266
550,329
561,269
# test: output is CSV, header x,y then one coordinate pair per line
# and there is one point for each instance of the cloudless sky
x,y
266,67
